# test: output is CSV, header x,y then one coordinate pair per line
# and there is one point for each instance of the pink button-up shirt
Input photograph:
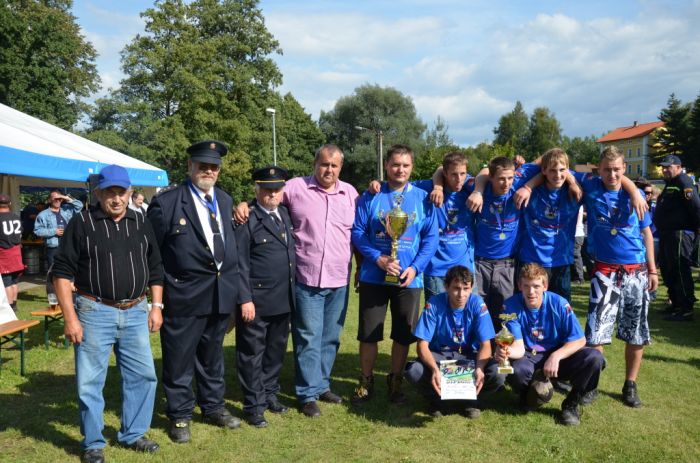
x,y
322,223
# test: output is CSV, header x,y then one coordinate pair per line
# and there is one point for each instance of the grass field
x,y
39,422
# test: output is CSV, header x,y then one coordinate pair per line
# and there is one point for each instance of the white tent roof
x,y
33,148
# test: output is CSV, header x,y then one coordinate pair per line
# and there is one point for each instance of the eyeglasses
x,y
648,193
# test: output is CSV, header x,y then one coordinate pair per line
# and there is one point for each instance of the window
x,y
639,167
629,152
629,168
639,151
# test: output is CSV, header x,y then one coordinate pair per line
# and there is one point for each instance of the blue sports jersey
x,y
545,329
614,232
416,246
548,227
497,224
455,227
451,329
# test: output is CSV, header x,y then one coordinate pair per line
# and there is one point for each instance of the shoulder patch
x,y
427,306
688,193
568,308
483,308
166,189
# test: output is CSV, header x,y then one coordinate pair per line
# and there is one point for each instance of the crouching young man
x,y
548,337
455,325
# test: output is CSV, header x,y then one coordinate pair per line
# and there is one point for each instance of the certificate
x,y
457,380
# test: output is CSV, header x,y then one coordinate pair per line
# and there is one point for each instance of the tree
x,y
692,157
544,133
513,129
437,144
202,70
376,108
46,65
581,150
673,138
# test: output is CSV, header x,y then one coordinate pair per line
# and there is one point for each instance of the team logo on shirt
x,y
537,333
483,308
550,212
496,207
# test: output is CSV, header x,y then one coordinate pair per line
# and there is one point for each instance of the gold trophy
x,y
505,338
395,223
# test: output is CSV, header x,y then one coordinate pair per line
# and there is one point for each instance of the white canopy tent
x,y
35,153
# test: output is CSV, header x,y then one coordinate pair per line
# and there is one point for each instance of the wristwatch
x,y
158,304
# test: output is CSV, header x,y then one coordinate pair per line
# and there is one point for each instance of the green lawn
x,y
39,421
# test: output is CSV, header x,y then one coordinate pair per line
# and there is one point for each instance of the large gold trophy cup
x,y
395,223
505,338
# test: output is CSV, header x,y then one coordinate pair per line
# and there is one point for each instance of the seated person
x,y
455,325
548,337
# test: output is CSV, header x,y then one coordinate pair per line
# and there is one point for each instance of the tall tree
x,y
673,138
581,150
202,69
692,157
544,132
46,65
513,129
376,108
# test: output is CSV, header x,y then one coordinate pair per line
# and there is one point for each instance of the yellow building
x,y
636,142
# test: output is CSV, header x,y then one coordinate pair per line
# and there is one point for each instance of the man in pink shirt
x,y
322,209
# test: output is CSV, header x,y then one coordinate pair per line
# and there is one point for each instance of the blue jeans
x,y
317,321
433,286
126,332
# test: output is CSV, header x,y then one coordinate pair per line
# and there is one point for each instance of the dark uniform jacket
x,y
267,262
193,284
678,206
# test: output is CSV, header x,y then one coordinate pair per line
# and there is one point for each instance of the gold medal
x,y
534,351
613,232
502,236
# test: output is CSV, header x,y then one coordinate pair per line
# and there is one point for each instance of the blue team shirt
x,y
497,224
544,329
416,246
548,228
607,211
451,329
455,227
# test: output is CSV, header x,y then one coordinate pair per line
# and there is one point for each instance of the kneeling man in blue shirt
x,y
455,325
548,337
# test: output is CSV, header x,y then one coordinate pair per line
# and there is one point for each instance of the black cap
x,y
208,151
270,177
671,160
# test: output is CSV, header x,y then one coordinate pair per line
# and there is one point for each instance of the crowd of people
x,y
503,242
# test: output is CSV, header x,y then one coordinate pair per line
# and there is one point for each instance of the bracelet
x,y
652,273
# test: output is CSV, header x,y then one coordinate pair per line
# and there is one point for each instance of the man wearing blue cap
x,y
111,255
677,219
193,226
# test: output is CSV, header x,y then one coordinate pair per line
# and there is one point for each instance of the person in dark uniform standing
x,y
267,265
677,219
11,265
193,226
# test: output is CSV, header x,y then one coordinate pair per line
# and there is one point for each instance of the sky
x,y
597,65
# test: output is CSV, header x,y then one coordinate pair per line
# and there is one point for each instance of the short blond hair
x,y
533,271
553,156
612,153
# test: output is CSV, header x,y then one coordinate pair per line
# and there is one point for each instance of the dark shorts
x,y
374,299
9,279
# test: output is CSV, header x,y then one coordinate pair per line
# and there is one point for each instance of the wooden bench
x,y
50,315
10,331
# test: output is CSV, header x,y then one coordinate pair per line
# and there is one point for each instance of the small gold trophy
x,y
395,223
505,338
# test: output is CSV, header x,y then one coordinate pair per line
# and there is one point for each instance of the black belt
x,y
121,304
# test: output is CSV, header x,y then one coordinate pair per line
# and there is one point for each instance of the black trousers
x,y
260,348
193,349
582,368
675,251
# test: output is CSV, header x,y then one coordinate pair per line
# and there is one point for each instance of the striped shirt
x,y
108,259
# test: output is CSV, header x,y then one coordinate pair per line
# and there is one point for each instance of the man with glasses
x,y
194,229
677,219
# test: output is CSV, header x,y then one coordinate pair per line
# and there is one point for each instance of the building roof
x,y
633,131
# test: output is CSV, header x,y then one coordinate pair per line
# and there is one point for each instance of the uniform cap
x,y
208,151
270,177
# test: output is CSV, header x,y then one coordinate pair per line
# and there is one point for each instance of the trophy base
x,y
392,280
505,370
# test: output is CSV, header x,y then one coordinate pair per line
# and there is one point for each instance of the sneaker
x,y
629,394
364,391
680,316
570,410
394,381
589,397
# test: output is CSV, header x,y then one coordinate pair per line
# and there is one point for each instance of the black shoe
x,y
681,316
570,411
560,386
394,381
93,456
179,431
144,445
311,409
364,391
256,420
472,410
630,396
222,419
275,406
589,397
669,309
435,409
330,398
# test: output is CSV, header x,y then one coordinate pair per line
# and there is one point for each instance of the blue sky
x,y
597,65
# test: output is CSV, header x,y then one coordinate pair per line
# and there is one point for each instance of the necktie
x,y
218,241
280,225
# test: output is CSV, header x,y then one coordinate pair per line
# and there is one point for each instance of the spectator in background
x,y
11,265
51,222
137,202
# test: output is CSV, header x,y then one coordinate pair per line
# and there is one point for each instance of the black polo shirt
x,y
108,259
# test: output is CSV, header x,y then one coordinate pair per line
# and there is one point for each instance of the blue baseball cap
x,y
113,175
671,160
